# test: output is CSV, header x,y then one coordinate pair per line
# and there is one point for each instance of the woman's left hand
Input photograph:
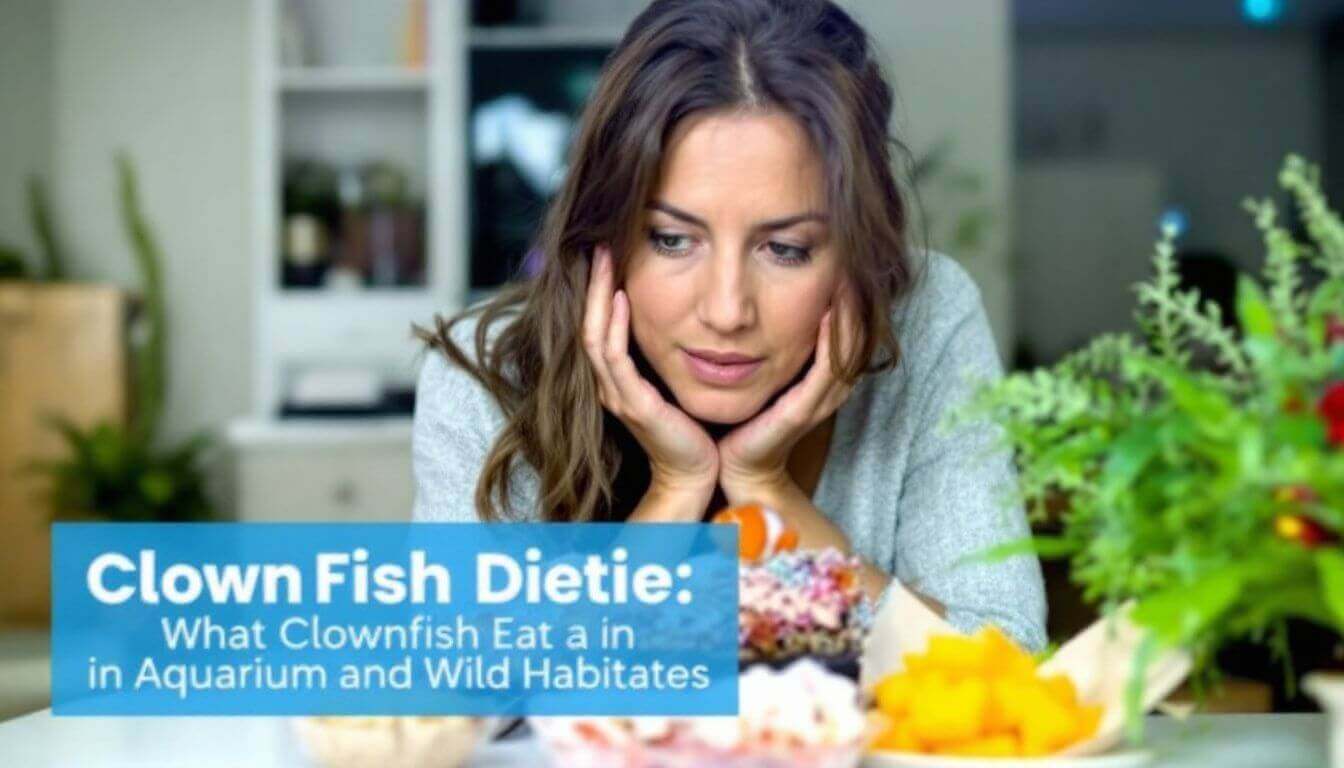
x,y
753,458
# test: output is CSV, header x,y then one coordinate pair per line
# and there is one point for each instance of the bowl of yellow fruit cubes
x,y
938,698
979,696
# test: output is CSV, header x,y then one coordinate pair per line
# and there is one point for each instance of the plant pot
x,y
1328,690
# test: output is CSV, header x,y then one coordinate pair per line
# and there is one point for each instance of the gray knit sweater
x,y
914,497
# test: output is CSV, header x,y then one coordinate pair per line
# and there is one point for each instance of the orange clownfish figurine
x,y
761,531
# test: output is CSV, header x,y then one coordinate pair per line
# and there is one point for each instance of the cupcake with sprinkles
x,y
795,603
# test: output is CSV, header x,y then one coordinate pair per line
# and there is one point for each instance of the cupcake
x,y
803,603
792,603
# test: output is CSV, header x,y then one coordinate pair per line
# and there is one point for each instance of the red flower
x,y
1334,330
1302,530
1331,408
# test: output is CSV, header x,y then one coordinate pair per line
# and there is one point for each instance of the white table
x,y
39,740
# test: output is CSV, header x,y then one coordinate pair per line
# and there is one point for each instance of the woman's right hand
x,y
683,459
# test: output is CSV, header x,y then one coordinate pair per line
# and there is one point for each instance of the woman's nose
x,y
726,301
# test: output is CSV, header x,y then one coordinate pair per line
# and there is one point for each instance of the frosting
x,y
799,602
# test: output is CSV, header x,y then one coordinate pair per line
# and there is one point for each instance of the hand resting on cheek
x,y
685,462
683,459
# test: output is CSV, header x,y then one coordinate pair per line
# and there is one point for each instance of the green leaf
x,y
108,449
1179,613
1252,310
1048,547
1138,676
1327,298
157,486
1130,452
12,263
1330,564
1263,608
1297,431
44,230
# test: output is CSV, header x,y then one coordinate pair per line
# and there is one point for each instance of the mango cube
x,y
1046,724
979,696
957,655
1062,689
947,711
894,694
898,737
989,746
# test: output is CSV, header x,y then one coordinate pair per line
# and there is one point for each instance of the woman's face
x,y
735,270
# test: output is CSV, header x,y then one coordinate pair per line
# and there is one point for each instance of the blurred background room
x,y
219,220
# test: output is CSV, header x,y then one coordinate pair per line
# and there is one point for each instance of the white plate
x,y
1129,758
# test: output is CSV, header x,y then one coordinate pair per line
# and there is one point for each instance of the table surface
x,y
37,740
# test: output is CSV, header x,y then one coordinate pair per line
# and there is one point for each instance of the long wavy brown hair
x,y
806,58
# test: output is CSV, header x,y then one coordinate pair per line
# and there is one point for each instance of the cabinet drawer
x,y
349,483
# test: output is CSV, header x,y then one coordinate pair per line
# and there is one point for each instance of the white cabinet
x,y
286,472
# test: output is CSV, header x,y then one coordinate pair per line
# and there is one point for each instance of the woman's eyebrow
x,y
780,223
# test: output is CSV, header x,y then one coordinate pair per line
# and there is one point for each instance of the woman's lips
x,y
726,369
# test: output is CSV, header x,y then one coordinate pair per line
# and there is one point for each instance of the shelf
x,y
322,292
279,433
544,37
347,79
367,297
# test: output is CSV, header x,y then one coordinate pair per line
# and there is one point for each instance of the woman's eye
x,y
670,244
789,254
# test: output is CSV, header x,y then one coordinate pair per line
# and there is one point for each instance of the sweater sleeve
x,y
959,491
456,424
448,442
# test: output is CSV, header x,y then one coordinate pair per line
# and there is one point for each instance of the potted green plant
x,y
122,472
1198,471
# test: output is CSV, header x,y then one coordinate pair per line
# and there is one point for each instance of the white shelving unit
x,y
349,100
354,101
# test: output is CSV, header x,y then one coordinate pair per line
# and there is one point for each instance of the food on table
x,y
798,717
801,603
793,603
390,742
761,531
979,696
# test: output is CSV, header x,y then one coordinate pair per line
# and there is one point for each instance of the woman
x,y
729,312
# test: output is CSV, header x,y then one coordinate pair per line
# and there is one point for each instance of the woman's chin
x,y
722,408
